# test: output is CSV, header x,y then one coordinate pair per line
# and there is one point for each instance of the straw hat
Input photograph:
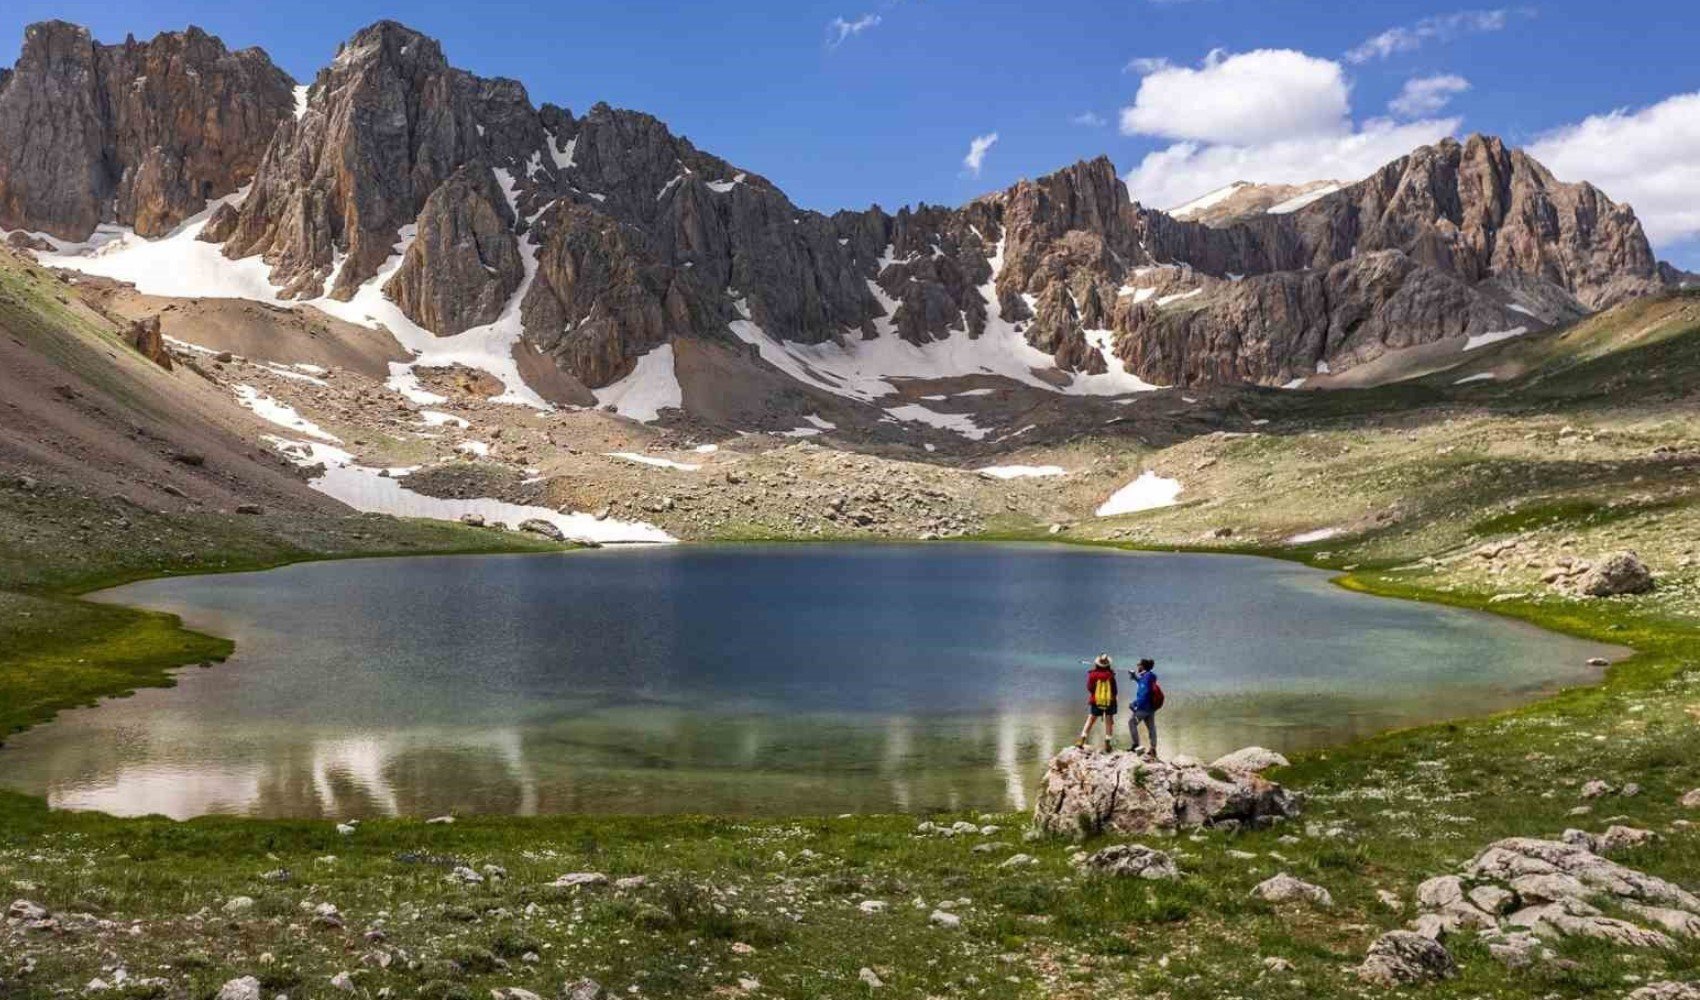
x,y
1103,660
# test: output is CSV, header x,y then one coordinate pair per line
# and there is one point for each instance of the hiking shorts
x,y
1101,710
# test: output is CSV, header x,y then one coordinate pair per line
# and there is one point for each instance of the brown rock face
x,y
386,124
464,264
1480,210
1280,326
600,298
140,134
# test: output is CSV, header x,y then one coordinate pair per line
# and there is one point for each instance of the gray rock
x,y
1131,861
1284,888
23,909
1084,793
582,989
1400,958
246,988
948,921
1669,990
538,526
1249,760
1618,573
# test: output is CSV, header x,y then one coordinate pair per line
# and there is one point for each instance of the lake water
x,y
749,679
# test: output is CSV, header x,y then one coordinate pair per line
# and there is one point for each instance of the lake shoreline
x,y
206,650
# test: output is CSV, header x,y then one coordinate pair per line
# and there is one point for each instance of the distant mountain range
x,y
584,256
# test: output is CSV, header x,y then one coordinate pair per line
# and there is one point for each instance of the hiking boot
x,y
1107,747
1080,744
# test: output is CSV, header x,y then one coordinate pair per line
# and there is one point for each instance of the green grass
x,y
61,653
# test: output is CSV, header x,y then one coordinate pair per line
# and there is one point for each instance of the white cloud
x,y
1146,64
1406,38
1649,158
1244,98
977,149
1090,119
1424,96
838,29
1182,172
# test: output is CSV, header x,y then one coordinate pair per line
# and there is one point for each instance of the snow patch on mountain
x,y
1484,339
1148,492
654,460
650,387
1021,471
281,414
1297,202
1203,202
381,491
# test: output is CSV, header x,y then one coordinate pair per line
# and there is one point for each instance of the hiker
x,y
1100,700
1147,699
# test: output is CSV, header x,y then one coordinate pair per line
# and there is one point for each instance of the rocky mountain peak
x,y
139,134
386,124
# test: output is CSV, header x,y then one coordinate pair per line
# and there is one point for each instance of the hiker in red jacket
x,y
1100,700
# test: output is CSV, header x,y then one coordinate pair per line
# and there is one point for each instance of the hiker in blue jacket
x,y
1147,699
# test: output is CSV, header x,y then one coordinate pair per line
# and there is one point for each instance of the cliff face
x,y
610,235
140,134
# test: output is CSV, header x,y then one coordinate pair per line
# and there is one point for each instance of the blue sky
x,y
848,102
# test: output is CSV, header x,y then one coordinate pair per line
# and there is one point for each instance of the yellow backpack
x,y
1103,694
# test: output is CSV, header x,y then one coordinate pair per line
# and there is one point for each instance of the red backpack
x,y
1156,694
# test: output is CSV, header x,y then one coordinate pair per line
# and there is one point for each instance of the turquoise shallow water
x,y
747,679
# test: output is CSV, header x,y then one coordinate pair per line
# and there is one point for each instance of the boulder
x,y
583,989
1399,958
1249,760
23,909
246,988
1085,793
538,526
1668,990
1131,861
145,335
1618,573
1284,888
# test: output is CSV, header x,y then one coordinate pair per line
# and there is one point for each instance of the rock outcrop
x,y
464,262
1519,892
140,134
1084,793
145,334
